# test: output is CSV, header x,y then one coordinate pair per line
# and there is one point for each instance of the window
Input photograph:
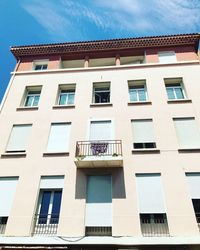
x,y
101,93
167,57
143,134
194,188
98,218
152,210
174,88
59,137
187,132
31,96
48,210
66,94
40,65
7,192
137,91
18,138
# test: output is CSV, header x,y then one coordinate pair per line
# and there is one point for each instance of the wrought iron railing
x,y
99,148
152,225
45,224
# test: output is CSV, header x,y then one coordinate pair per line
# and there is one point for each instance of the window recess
x,y
143,134
18,139
66,94
8,187
153,219
48,210
101,93
137,91
174,89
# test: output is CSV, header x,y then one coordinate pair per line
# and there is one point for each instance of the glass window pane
x,y
38,67
29,100
133,95
36,100
179,93
170,93
142,95
46,196
56,207
63,98
70,98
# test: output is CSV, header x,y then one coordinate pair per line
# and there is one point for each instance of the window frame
x,y
71,88
50,205
43,63
101,85
138,85
175,83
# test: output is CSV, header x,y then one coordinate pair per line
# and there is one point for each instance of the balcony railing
x,y
153,226
99,148
46,224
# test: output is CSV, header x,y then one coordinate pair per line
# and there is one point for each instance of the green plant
x,y
115,154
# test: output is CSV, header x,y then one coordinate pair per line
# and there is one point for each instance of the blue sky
x,y
34,21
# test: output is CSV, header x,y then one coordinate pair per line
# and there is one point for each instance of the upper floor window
x,y
40,65
101,92
32,96
174,88
167,57
188,132
137,91
18,138
66,94
59,137
143,134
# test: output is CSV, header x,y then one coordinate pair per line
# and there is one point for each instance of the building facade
x,y
100,146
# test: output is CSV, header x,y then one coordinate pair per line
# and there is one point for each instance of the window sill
x,y
189,150
70,106
105,104
139,103
146,151
47,154
179,101
27,108
13,154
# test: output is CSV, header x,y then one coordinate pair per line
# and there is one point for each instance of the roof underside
x,y
106,45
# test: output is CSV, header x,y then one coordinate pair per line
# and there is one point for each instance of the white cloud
x,y
78,20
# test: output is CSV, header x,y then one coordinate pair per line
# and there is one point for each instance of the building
x,y
100,146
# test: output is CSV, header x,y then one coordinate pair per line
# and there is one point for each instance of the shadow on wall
x,y
118,183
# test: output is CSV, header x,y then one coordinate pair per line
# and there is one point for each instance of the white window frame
x,y
66,87
98,85
40,62
31,95
136,84
173,87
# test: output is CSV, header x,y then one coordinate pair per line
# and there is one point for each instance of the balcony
x,y
154,225
99,154
46,224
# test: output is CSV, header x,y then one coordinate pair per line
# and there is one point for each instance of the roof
x,y
106,45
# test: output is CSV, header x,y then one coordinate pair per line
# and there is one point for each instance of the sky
x,y
25,22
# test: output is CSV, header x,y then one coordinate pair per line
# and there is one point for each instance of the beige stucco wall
x,y
171,164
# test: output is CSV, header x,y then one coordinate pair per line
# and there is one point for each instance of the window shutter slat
x,y
59,138
7,192
150,194
143,131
